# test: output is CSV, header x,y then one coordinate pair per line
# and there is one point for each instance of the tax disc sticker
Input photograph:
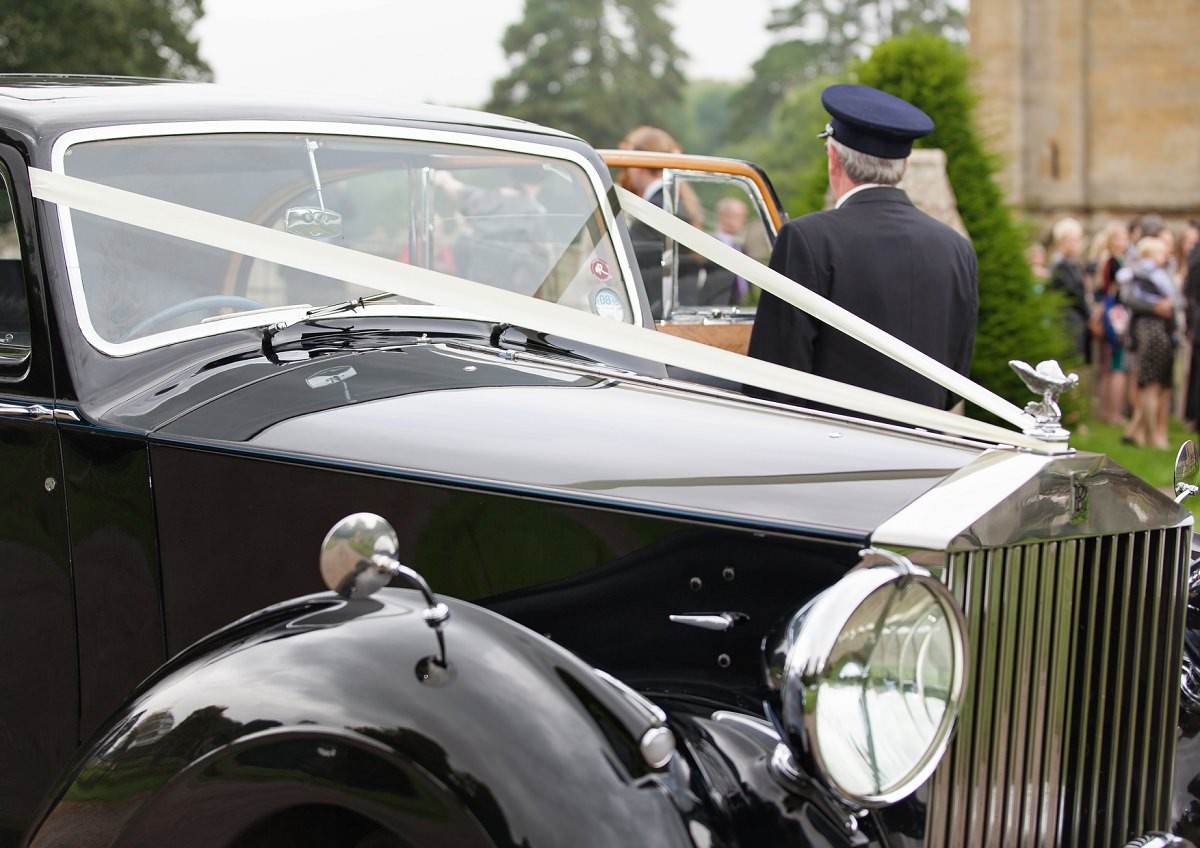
x,y
600,270
608,304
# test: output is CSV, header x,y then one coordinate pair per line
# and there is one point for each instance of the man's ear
x,y
835,163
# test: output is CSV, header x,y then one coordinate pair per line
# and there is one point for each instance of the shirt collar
x,y
652,188
855,191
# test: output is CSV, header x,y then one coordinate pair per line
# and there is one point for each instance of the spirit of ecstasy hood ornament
x,y
1049,381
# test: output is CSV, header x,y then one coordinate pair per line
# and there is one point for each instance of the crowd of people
x,y
1132,309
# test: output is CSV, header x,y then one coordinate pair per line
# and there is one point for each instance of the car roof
x,y
44,106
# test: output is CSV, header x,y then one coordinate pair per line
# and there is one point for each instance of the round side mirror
x,y
358,555
1187,472
358,558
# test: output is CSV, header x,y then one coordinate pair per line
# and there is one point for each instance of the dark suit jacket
x,y
886,261
648,246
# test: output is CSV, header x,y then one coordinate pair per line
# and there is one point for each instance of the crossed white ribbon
x,y
430,286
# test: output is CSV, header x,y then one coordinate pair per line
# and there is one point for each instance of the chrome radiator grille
x,y
1066,736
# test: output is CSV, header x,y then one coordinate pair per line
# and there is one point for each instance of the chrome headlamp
x,y
870,676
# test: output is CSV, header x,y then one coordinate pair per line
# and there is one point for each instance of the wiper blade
x,y
512,337
271,330
346,305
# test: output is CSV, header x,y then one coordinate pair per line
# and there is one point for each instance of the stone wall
x,y
929,188
1094,105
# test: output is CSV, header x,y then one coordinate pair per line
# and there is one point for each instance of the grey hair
x,y
865,168
1064,227
730,203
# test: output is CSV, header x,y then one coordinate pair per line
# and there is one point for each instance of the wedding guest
x,y
1191,293
721,286
1152,297
1066,277
648,243
1108,254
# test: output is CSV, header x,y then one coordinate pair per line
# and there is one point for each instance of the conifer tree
x,y
592,67
149,38
822,38
1016,321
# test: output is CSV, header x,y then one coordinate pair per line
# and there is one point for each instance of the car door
x,y
689,295
38,683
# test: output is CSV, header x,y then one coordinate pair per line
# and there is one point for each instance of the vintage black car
x,y
254,347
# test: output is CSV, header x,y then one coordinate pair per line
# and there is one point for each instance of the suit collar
x,y
874,194
856,190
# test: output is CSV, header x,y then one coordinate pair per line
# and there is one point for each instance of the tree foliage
x,y
788,148
592,67
150,38
1015,321
822,38
703,119
846,29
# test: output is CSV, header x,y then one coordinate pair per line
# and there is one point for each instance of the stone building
x,y
1094,105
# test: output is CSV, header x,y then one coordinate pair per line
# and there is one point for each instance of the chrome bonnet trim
x,y
1005,498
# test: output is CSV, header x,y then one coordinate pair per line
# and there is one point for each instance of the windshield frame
x,y
464,139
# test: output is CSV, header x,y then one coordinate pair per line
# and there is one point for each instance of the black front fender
x,y
312,719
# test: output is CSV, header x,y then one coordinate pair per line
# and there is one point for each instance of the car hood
x,y
472,417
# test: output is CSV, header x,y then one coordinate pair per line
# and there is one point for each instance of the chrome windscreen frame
x,y
108,133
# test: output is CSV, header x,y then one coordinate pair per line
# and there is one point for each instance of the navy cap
x,y
873,121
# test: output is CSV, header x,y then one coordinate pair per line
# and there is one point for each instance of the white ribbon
x,y
823,310
477,299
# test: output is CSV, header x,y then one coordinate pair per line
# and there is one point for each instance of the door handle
x,y
36,412
711,621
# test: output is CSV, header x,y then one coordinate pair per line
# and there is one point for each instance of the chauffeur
x,y
876,255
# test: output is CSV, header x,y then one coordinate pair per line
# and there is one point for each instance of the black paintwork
x,y
196,486
547,487
420,412
337,714
459,761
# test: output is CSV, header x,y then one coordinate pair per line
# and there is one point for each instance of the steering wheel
x,y
195,304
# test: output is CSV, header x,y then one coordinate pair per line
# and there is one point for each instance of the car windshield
x,y
526,222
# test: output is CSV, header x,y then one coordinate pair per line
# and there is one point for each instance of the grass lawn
x,y
1155,466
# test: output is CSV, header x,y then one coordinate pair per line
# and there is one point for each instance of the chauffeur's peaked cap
x,y
873,121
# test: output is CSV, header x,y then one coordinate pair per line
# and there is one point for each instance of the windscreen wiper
x,y
346,305
510,337
271,330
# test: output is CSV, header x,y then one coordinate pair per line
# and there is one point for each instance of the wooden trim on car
x,y
691,162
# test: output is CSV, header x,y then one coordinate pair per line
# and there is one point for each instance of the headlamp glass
x,y
883,702
875,669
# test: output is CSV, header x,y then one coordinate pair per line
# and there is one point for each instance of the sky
x,y
432,51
